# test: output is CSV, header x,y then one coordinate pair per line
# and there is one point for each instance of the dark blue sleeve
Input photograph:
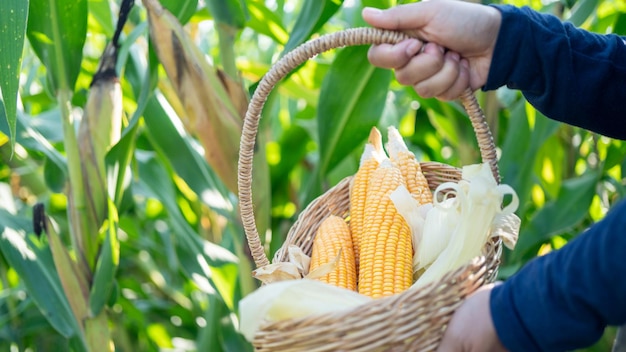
x,y
567,73
565,299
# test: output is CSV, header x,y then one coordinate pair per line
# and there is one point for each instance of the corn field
x,y
120,127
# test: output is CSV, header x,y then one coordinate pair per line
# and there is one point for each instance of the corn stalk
x,y
87,272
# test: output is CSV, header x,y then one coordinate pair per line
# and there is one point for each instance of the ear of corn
x,y
370,159
333,237
386,256
411,170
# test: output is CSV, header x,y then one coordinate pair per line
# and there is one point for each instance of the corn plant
x,y
120,125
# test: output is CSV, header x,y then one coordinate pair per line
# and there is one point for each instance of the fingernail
x,y
432,46
413,48
465,64
454,56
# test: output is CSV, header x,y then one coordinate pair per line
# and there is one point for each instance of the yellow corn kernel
x,y
332,236
411,170
386,257
370,159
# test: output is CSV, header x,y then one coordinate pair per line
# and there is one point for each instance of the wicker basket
x,y
411,321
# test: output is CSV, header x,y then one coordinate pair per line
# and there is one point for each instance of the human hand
x,y
468,31
471,328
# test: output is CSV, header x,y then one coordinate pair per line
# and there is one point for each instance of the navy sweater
x,y
564,300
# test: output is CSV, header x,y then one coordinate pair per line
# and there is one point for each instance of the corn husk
x,y
506,226
478,200
440,222
293,299
296,268
411,211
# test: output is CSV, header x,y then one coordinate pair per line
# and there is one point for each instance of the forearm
x,y
568,74
564,300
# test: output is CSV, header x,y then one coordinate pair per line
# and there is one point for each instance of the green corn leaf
x,y
523,143
54,176
289,150
117,163
106,267
266,22
209,336
561,214
232,340
101,12
159,186
381,4
220,333
549,165
97,331
182,9
72,277
13,15
180,151
206,263
454,128
620,24
34,264
230,12
212,279
119,157
313,15
581,11
32,139
57,30
616,154
351,102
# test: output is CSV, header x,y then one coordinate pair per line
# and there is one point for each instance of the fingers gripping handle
x,y
304,52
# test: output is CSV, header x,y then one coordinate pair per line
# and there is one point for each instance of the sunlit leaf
x,y
230,12
106,267
182,9
13,15
520,150
177,146
549,165
313,15
35,266
57,31
160,186
73,280
616,154
351,103
266,22
289,151
32,139
220,333
581,11
620,23
567,210
54,176
101,11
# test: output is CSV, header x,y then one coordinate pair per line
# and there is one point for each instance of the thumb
x,y
449,345
408,16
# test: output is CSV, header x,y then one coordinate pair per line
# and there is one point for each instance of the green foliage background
x,y
183,264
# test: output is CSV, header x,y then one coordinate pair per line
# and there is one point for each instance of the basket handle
x,y
293,59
